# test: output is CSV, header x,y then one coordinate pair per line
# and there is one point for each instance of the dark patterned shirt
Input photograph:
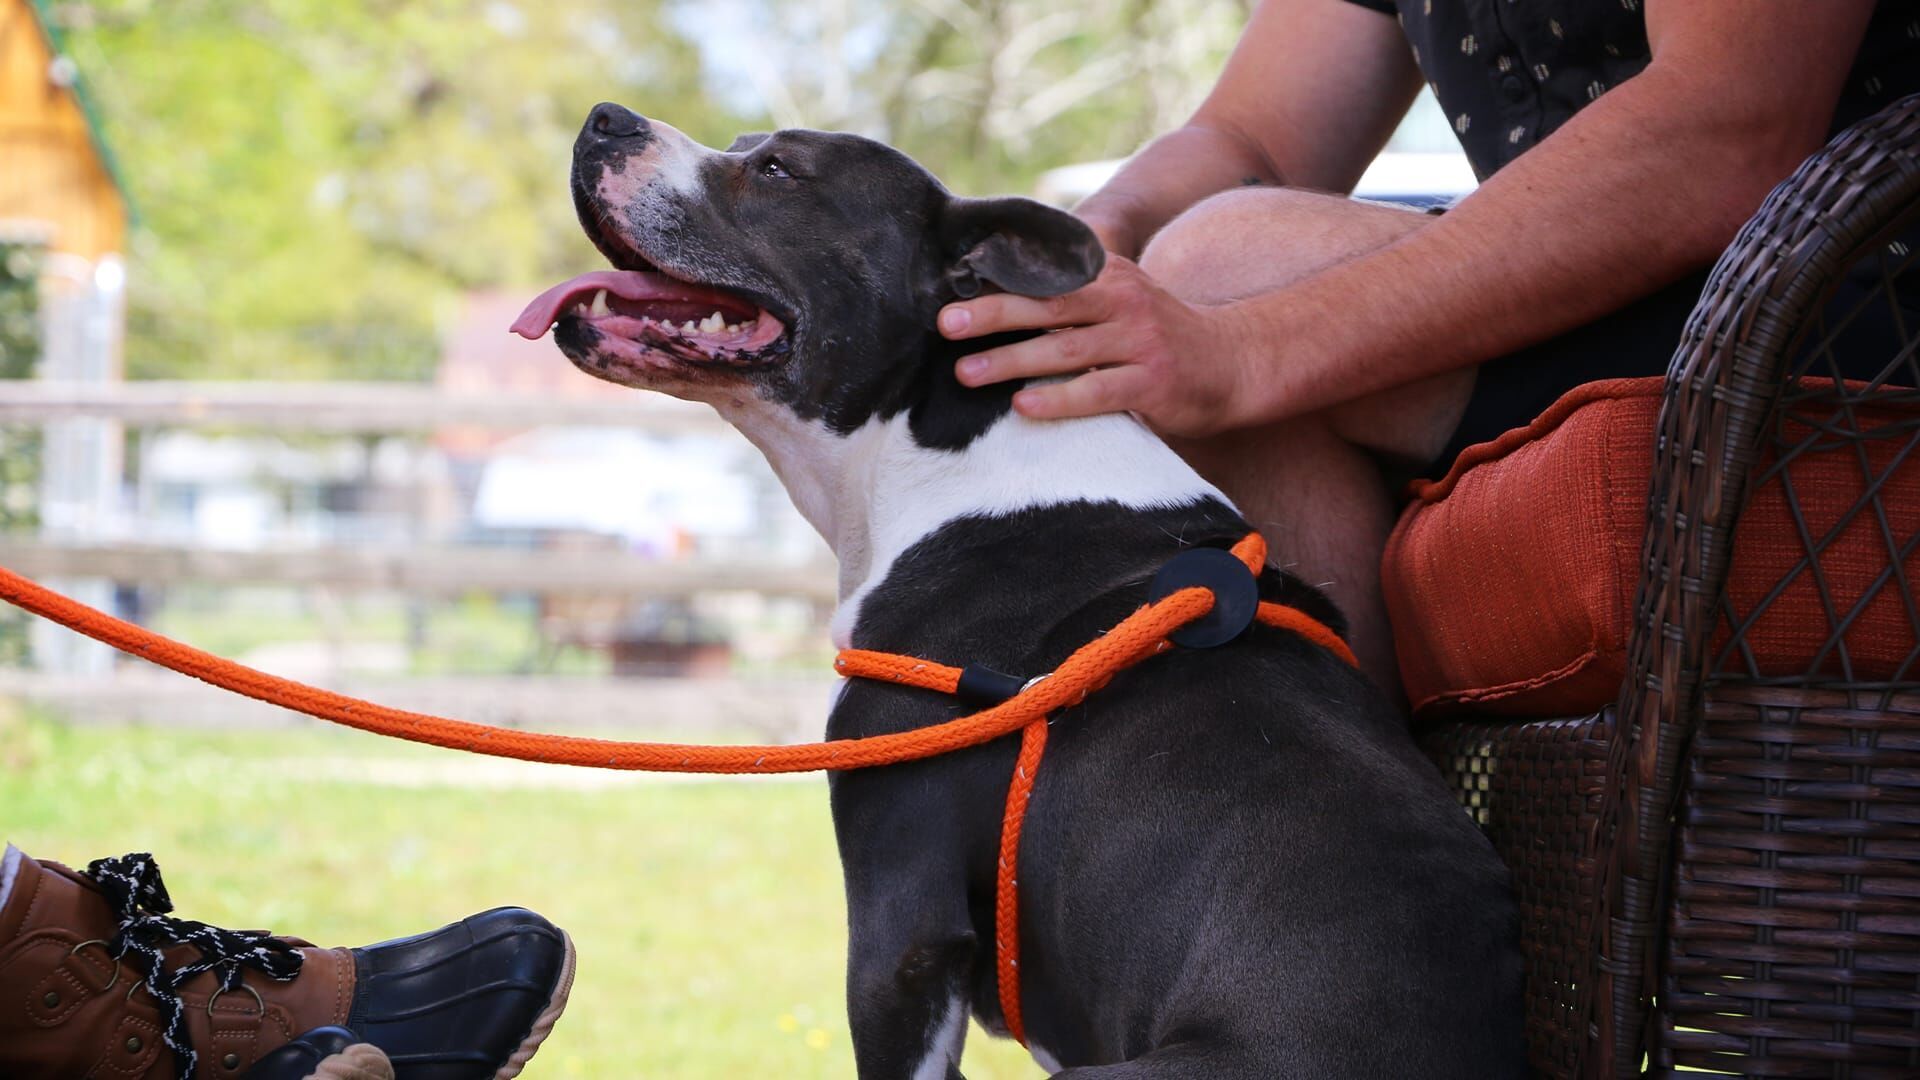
x,y
1510,72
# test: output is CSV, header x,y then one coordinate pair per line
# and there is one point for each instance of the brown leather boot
x,y
468,1002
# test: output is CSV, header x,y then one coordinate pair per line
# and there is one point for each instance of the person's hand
x,y
1131,345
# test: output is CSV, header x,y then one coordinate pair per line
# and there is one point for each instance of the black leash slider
x,y
1235,589
984,687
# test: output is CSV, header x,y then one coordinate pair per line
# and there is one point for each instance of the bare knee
x,y
1410,423
1252,240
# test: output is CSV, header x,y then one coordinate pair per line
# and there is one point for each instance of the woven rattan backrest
x,y
1873,426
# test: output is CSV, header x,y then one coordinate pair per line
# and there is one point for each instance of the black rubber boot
x,y
470,1001
328,1053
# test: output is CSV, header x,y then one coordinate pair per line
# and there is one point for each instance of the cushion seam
x,y
1491,693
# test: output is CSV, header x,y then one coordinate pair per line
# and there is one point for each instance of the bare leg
x,y
1311,484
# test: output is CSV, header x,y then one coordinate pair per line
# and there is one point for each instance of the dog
x,y
1236,863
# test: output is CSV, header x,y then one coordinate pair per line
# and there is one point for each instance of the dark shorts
x,y
1640,339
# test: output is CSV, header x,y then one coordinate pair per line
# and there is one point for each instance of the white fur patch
x,y
669,164
9,869
680,157
911,491
875,492
1047,1062
943,1051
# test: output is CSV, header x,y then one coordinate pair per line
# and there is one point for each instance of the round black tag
x,y
1236,595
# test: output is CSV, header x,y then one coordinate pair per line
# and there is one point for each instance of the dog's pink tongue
x,y
539,316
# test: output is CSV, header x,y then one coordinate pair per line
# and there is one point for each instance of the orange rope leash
x,y
1092,666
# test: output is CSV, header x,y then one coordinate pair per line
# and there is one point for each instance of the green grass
x,y
708,915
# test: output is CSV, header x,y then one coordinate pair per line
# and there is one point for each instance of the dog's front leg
x,y
911,943
907,1002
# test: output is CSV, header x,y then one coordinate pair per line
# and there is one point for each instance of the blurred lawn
x,y
708,914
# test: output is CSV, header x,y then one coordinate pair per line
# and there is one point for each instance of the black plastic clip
x,y
1236,595
985,687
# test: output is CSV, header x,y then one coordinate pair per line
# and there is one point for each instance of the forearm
x,y
1308,97
1167,176
1630,195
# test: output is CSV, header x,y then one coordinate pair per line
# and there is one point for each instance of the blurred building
x,y
669,495
1421,166
60,182
61,196
576,492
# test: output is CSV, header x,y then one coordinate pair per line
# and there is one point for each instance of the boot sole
x,y
542,1024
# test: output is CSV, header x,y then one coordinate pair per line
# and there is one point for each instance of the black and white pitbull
x,y
1236,863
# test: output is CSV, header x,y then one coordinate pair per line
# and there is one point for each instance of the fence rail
x,y
339,406
772,709
415,571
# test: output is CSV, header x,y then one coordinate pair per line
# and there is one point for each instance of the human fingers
x,y
1120,287
1103,390
1062,352
1001,312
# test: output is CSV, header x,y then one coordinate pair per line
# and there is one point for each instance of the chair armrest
x,y
1723,388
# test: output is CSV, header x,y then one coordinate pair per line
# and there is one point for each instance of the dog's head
x,y
803,267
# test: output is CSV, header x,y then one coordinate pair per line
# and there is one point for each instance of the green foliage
x,y
990,93
19,446
19,356
319,179
19,310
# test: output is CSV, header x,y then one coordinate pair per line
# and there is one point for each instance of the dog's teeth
x,y
689,327
599,310
715,323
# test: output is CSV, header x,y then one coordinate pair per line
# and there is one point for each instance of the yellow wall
x,y
49,172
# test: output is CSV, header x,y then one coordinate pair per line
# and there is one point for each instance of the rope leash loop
x,y
1145,633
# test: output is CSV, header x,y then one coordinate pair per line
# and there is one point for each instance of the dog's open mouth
x,y
637,312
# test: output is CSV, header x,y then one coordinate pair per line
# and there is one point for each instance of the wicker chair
x,y
1721,872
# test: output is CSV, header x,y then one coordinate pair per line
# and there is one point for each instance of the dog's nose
x,y
610,121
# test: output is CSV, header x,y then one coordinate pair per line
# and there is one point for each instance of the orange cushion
x,y
1510,582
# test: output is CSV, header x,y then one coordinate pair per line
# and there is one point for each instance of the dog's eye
x,y
773,169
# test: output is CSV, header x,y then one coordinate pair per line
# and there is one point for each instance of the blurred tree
x,y
19,356
987,93
19,446
318,178
19,309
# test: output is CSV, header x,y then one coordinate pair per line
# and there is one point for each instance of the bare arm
x,y
1308,97
1640,188
1643,186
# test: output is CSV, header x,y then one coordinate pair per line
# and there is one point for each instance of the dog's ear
x,y
1018,245
746,141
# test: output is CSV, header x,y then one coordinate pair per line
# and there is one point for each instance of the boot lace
x,y
132,885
